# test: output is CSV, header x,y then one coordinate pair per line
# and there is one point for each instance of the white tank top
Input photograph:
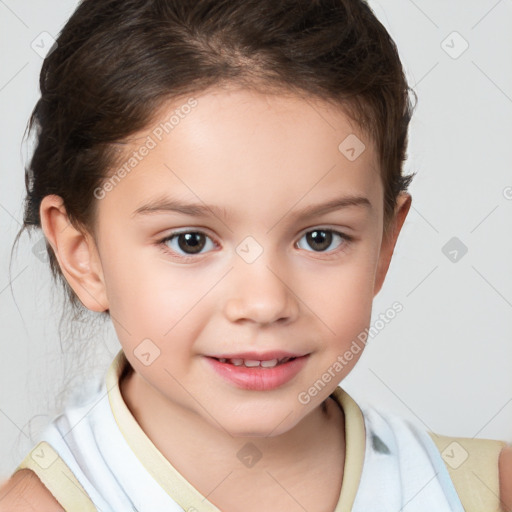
x,y
95,456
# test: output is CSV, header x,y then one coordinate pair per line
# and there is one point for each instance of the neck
x,y
183,437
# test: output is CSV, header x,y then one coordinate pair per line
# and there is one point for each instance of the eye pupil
x,y
318,238
195,242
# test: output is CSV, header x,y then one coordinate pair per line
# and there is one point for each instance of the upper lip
x,y
258,356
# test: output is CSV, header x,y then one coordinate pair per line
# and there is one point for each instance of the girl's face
x,y
216,242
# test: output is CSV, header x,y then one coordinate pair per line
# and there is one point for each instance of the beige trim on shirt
x,y
471,463
186,495
53,472
473,468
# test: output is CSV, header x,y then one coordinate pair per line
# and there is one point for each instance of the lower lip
x,y
258,378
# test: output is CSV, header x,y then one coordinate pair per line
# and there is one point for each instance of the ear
x,y
389,241
76,253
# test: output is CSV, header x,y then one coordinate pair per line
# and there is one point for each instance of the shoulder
x,y
24,492
505,470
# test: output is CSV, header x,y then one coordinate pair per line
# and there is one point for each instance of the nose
x,y
261,293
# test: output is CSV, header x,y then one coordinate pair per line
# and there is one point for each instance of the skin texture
x,y
262,158
505,470
24,492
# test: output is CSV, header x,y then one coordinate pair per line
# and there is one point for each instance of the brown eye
x,y
186,243
321,239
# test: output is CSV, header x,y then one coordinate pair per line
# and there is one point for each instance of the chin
x,y
267,423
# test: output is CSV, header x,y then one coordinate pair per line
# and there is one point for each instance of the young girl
x,y
223,179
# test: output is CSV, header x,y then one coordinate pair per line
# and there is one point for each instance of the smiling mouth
x,y
253,363
258,374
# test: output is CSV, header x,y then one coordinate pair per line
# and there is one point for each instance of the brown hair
x,y
117,61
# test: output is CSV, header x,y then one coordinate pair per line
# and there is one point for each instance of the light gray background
x,y
444,362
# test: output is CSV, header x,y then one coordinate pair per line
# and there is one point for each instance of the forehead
x,y
247,150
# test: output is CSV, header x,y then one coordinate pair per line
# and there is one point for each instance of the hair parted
x,y
116,62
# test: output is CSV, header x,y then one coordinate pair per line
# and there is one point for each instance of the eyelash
x,y
347,240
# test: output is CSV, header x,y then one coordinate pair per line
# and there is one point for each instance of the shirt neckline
x,y
184,493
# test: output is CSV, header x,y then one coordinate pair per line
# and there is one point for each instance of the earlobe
x,y
76,254
388,243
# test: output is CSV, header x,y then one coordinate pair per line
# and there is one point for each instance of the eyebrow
x,y
167,204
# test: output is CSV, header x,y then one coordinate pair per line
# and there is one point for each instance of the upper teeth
x,y
251,363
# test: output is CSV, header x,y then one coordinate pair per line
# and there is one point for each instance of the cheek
x,y
344,294
140,303
150,298
342,309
